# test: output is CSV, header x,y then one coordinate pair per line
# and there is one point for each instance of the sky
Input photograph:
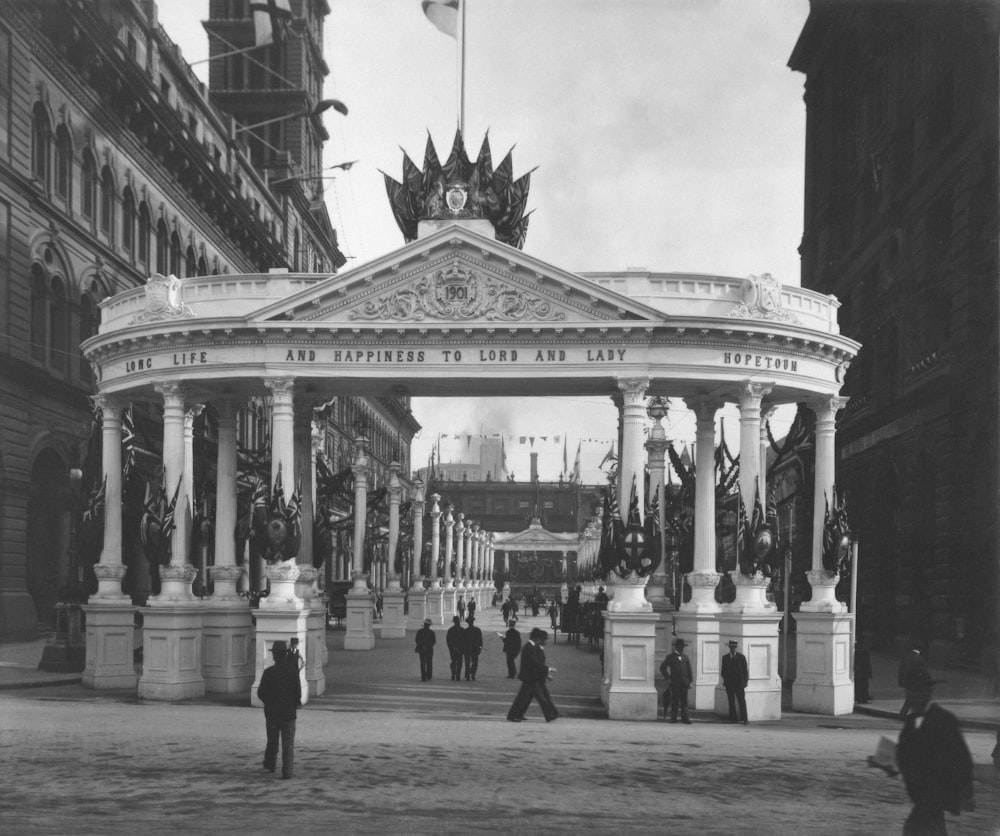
x,y
667,135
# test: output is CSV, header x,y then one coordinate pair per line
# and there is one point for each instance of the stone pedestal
x,y
393,615
172,651
448,598
434,604
227,647
280,623
701,632
110,638
315,644
65,650
630,665
417,606
823,682
757,634
359,625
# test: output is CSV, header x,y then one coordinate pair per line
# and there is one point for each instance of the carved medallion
x,y
163,300
762,300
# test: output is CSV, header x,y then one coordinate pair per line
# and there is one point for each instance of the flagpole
x,y
461,67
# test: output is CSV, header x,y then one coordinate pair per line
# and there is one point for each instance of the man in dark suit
x,y
534,675
511,647
426,640
735,676
281,693
473,647
676,669
934,760
455,639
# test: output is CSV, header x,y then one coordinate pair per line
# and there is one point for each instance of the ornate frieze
x,y
458,293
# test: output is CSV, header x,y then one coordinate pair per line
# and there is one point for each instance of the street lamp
x,y
321,107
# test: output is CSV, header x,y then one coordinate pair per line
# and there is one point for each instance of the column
x,y
172,622
435,595
823,626
750,590
630,462
110,636
417,604
360,632
227,652
474,569
460,581
448,597
697,620
393,599
657,592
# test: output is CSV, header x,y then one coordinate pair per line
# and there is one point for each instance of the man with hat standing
x,y
933,759
281,693
455,639
473,647
676,669
735,676
425,647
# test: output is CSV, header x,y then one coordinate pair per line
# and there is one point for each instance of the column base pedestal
x,y
417,608
757,634
315,654
171,653
359,624
393,617
110,638
629,688
701,632
434,606
664,609
273,624
448,598
227,648
823,682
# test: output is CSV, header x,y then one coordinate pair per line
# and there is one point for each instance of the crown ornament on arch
x,y
461,188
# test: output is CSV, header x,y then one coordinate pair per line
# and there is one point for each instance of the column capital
x,y
633,389
656,447
225,409
418,492
172,393
281,387
704,407
191,414
826,407
752,392
112,404
435,507
449,519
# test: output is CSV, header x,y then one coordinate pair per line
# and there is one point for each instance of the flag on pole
x,y
128,444
443,14
609,456
565,458
270,18
575,477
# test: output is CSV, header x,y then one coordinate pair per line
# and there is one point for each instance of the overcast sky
x,y
668,134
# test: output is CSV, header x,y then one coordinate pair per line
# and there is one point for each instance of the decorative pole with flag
x,y
449,17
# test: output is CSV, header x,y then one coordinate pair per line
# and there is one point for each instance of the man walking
x,y
912,669
735,676
455,638
425,647
676,669
281,693
511,647
473,647
534,675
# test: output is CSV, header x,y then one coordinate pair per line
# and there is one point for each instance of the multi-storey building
x,y
117,163
901,223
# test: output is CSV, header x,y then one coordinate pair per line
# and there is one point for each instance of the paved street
x,y
383,752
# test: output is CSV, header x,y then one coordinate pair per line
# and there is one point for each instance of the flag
x,y
634,538
95,505
270,18
128,443
575,477
651,550
612,532
609,456
443,14
565,457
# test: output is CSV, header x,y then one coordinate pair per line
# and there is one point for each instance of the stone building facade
x,y
901,223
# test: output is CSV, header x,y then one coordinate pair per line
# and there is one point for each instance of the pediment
x,y
537,536
455,276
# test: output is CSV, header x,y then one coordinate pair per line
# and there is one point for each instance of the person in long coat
x,y
511,647
455,639
425,640
534,675
735,676
473,647
281,692
676,669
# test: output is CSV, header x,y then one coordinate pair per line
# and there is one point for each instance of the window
x,y
64,162
161,247
128,222
175,254
202,266
145,224
88,328
58,325
107,201
5,96
40,139
49,319
88,184
39,314
190,263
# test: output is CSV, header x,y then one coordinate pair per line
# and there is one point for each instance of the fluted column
x,y
417,579
703,578
449,544
110,570
225,573
751,393
630,462
282,434
395,491
359,467
656,448
435,539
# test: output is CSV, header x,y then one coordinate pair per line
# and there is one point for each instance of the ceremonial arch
x,y
458,313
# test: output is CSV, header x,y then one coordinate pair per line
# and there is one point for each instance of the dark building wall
x,y
901,223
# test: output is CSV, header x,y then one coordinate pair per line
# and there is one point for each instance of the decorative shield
x,y
763,543
456,198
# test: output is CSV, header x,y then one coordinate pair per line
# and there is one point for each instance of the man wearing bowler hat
x,y
676,669
735,677
425,640
281,693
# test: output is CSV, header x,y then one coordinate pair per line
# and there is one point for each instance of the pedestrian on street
x,y
460,605
933,759
455,639
473,647
912,669
281,693
553,615
511,647
534,675
862,673
425,647
505,611
676,669
735,676
471,607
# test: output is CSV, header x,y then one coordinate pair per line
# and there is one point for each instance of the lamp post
x,y
320,107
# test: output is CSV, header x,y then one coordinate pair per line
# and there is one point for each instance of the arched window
x,y
162,243
88,184
107,201
145,225
58,325
39,314
190,263
175,254
64,162
202,266
41,138
89,320
128,222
